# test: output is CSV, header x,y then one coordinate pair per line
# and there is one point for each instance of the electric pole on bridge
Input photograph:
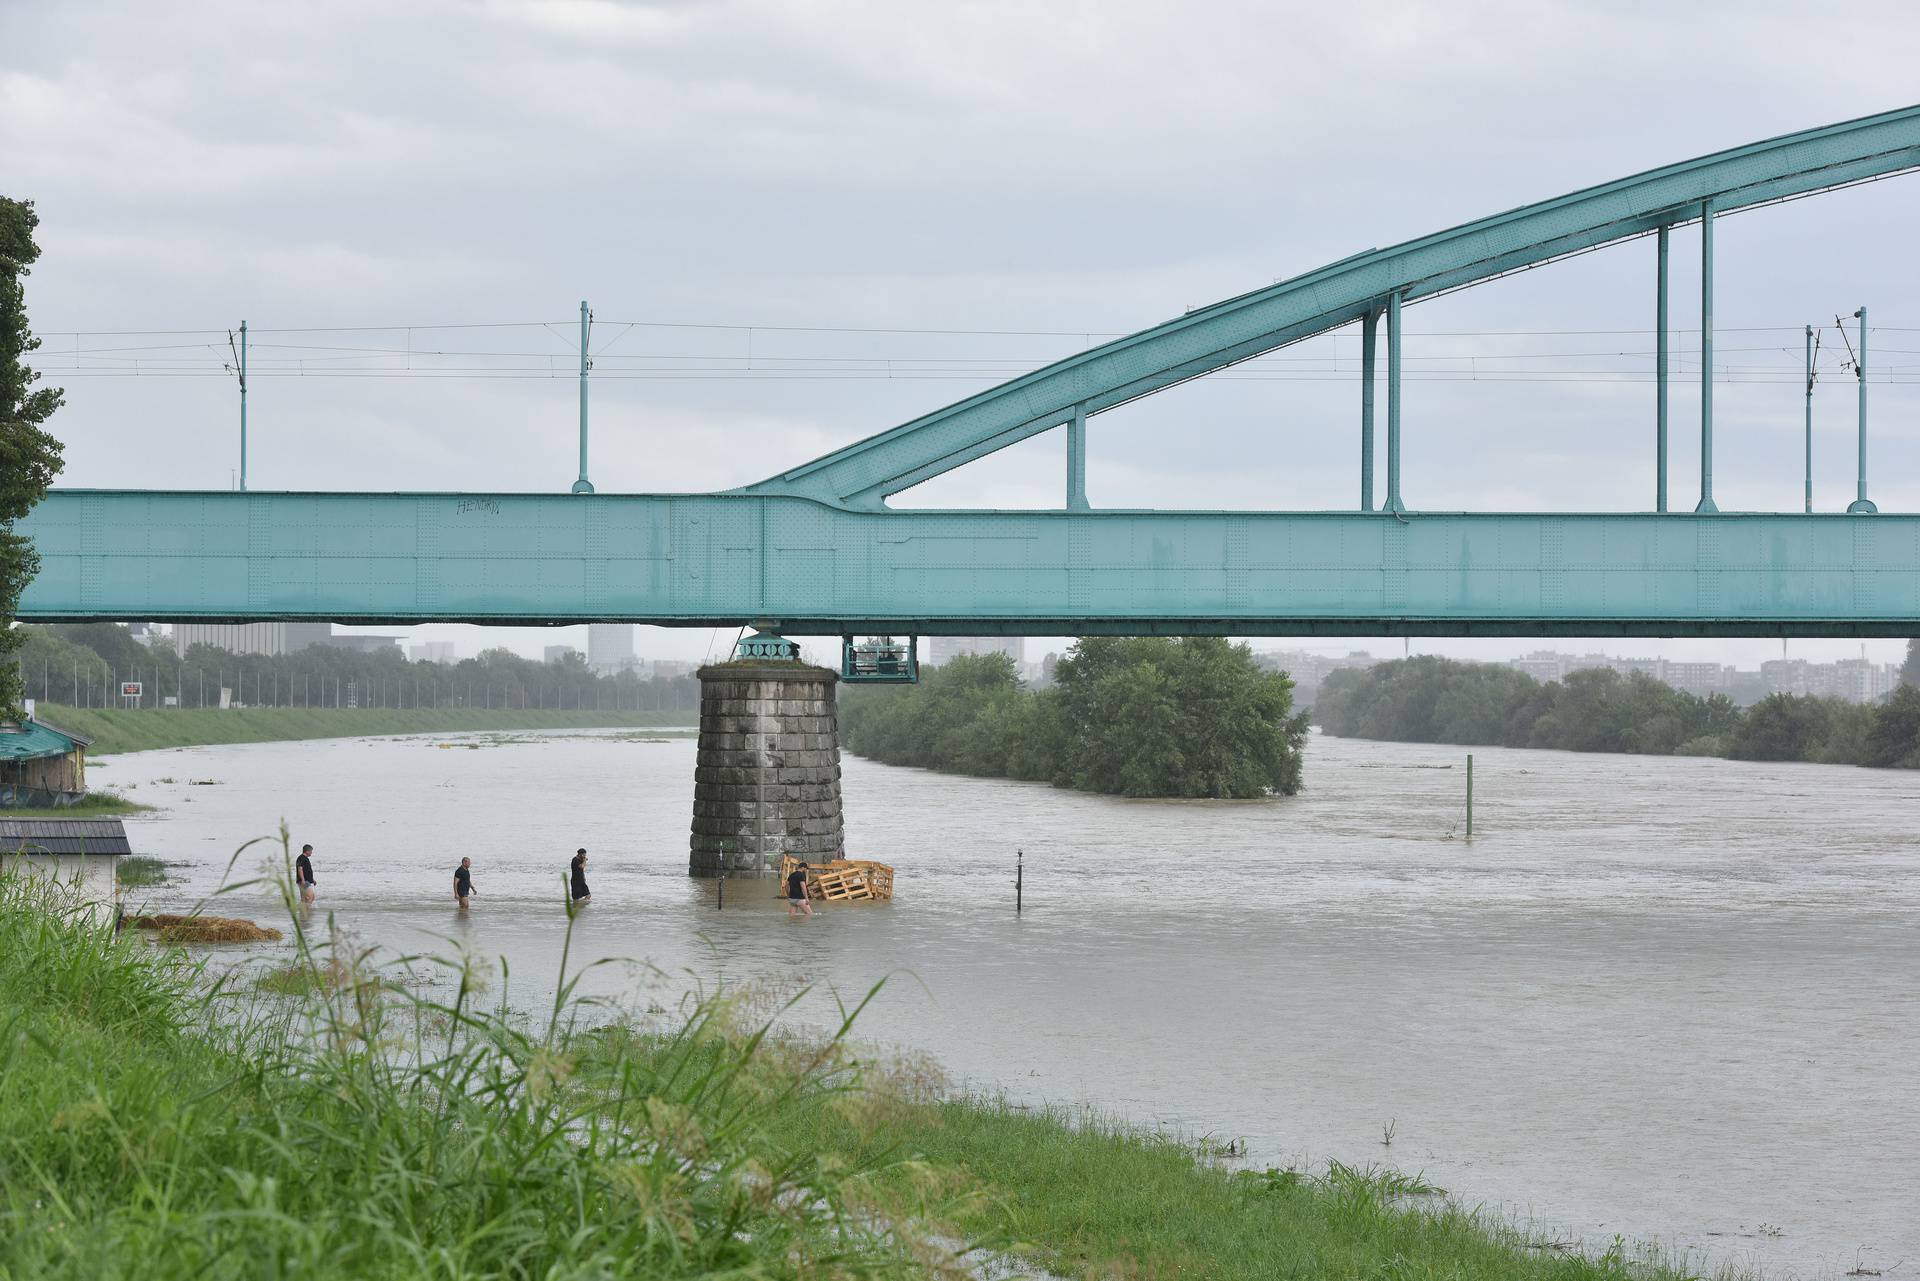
x,y
1861,504
583,485
240,368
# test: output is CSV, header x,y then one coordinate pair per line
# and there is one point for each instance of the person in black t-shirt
x,y
798,904
580,891
463,883
303,874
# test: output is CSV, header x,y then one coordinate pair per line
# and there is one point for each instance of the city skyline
x,y
1769,666
700,645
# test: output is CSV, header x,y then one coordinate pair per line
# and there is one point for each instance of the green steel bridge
x,y
816,550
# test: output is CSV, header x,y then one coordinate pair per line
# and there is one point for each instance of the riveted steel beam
x,y
807,567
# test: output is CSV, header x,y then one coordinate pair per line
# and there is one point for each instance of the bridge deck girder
x,y
815,568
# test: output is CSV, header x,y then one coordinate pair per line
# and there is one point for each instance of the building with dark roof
x,y
64,836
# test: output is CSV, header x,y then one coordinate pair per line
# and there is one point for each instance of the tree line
x,y
1128,716
84,665
29,455
1439,700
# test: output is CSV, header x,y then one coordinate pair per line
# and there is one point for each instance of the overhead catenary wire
x,y
743,326
327,352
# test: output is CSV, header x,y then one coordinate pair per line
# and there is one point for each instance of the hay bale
x,y
203,929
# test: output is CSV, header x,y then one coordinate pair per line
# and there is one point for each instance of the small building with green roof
x,y
41,765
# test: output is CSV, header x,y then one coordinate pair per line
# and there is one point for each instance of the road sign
x,y
129,689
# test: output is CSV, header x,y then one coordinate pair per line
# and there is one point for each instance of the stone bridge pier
x,y
767,777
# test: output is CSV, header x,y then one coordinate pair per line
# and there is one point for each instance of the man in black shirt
x,y
798,904
463,883
303,874
580,891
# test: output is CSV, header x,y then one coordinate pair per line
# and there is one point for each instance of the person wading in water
x,y
580,891
303,873
463,883
797,892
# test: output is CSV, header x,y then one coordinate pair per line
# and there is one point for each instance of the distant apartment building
x,y
251,638
668,668
1546,665
273,639
364,644
1856,680
433,652
1542,665
1308,670
610,647
559,653
941,649
1699,679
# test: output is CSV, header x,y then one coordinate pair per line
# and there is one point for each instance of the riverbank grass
x,y
1091,1197
120,730
153,1128
154,1125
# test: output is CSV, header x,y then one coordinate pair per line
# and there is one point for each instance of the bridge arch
x,y
1361,287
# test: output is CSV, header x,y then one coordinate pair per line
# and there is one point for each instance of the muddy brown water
x,y
1669,999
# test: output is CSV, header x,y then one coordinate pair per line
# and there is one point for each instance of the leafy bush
x,y
1194,717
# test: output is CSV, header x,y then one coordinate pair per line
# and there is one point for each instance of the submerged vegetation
x,y
97,803
1439,700
135,871
333,1120
170,927
1129,716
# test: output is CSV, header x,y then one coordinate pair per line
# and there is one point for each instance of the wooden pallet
x,y
843,880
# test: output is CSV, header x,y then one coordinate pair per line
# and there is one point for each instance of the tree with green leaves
x,y
29,457
1194,717
1894,739
1145,716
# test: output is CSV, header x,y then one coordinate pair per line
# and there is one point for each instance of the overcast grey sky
x,y
1081,169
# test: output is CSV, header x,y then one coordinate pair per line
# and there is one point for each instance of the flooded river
x,y
1665,998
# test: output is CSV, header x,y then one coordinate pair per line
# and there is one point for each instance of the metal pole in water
x,y
721,906
1469,795
1019,873
583,485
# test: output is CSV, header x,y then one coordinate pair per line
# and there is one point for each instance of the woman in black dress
x,y
580,891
